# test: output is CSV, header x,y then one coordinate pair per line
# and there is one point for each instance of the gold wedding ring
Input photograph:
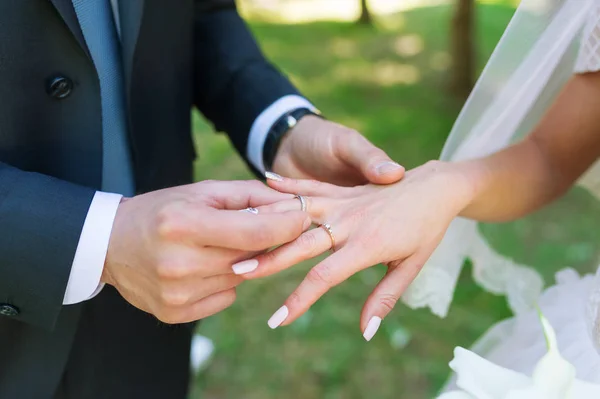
x,y
328,229
302,200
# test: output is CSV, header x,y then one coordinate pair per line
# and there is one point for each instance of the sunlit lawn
x,y
390,83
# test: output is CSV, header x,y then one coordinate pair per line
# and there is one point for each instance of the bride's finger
x,y
312,188
387,293
309,245
315,206
327,274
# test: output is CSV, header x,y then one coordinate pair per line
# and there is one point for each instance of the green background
x,y
388,81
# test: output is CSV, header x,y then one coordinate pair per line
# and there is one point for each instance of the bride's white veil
x,y
536,55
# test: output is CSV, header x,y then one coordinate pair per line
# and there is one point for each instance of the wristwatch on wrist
x,y
278,131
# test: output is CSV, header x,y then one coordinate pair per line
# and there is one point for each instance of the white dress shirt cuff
x,y
88,264
261,126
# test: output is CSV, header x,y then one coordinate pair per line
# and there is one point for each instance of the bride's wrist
x,y
466,184
449,181
471,178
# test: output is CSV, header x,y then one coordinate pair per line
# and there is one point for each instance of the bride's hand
x,y
399,225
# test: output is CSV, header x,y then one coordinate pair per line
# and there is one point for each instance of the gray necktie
x,y
99,30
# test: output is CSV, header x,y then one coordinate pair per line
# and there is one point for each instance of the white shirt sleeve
x,y
263,123
88,263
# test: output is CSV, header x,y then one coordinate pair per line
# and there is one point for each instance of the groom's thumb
x,y
384,172
374,164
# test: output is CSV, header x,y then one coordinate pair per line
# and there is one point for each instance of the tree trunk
x,y
365,13
463,48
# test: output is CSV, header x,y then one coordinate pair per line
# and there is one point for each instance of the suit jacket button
x,y
59,87
8,310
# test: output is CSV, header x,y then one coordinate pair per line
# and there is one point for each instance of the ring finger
x,y
309,245
316,207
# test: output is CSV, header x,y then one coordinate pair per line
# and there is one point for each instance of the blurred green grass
x,y
389,82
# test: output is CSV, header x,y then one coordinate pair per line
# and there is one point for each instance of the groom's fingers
x,y
243,194
327,274
387,293
309,245
181,294
376,166
245,231
201,309
316,207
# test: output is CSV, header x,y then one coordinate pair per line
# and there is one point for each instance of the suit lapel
x,y
67,12
130,15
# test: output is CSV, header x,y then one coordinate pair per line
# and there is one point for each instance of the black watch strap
x,y
279,129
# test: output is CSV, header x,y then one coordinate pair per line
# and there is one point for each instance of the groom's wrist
x,y
280,129
264,122
107,277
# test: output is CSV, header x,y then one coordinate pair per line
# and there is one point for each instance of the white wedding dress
x,y
546,42
572,305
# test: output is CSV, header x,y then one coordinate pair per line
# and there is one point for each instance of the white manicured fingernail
x,y
246,266
387,167
273,176
372,328
278,317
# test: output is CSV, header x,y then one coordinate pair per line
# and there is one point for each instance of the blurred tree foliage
x,y
365,14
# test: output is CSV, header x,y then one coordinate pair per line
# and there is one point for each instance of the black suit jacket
x,y
176,54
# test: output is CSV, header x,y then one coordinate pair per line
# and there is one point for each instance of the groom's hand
x,y
322,150
171,251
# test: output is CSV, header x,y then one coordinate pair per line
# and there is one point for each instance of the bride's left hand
x,y
399,225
